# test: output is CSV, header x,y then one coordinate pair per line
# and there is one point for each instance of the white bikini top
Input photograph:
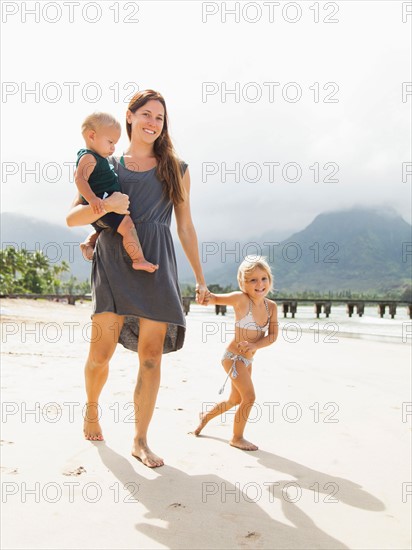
x,y
248,321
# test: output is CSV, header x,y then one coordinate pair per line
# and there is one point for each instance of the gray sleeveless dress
x,y
117,287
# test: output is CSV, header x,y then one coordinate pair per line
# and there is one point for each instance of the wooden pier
x,y
289,305
323,306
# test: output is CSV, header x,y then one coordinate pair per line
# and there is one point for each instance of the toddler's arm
x,y
81,177
267,340
230,299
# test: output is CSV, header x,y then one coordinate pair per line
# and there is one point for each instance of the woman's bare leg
x,y
151,339
105,332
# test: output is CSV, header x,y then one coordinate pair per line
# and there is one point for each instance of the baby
x,y
96,179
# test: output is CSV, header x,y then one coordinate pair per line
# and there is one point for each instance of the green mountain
x,y
358,249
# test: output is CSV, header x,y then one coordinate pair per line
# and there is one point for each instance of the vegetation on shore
x,y
25,272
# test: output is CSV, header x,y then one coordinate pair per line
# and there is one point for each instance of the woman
x,y
136,306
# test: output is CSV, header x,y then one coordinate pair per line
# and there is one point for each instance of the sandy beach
x,y
332,421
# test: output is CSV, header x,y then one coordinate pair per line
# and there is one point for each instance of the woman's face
x,y
147,122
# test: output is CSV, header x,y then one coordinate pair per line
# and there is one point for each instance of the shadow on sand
x,y
207,511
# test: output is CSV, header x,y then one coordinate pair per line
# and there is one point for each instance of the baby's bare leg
x,y
132,245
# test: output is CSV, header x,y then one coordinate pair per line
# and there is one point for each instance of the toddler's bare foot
x,y
241,443
145,266
91,427
202,424
87,250
142,452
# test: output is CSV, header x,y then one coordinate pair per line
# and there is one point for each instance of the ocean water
x,y
370,326
338,324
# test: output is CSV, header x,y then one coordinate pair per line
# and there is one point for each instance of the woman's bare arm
x,y
188,238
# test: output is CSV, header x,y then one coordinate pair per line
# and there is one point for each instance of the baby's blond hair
x,y
98,120
248,265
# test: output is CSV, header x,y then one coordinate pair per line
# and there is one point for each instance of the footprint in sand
x,y
252,537
77,472
5,470
176,505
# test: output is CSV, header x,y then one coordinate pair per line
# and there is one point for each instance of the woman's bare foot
x,y
145,266
241,443
91,427
142,452
202,424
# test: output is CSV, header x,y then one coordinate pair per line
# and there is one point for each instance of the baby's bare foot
x,y
142,452
87,250
91,427
145,266
243,444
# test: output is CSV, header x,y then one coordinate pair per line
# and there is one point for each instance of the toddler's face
x,y
104,140
257,282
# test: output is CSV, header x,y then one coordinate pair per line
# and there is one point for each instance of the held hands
x,y
117,202
202,294
97,205
245,347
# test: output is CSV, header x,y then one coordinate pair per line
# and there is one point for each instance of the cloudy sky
x,y
282,110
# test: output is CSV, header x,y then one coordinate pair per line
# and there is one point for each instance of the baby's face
x,y
104,140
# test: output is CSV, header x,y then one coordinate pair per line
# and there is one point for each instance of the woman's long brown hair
x,y
168,164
